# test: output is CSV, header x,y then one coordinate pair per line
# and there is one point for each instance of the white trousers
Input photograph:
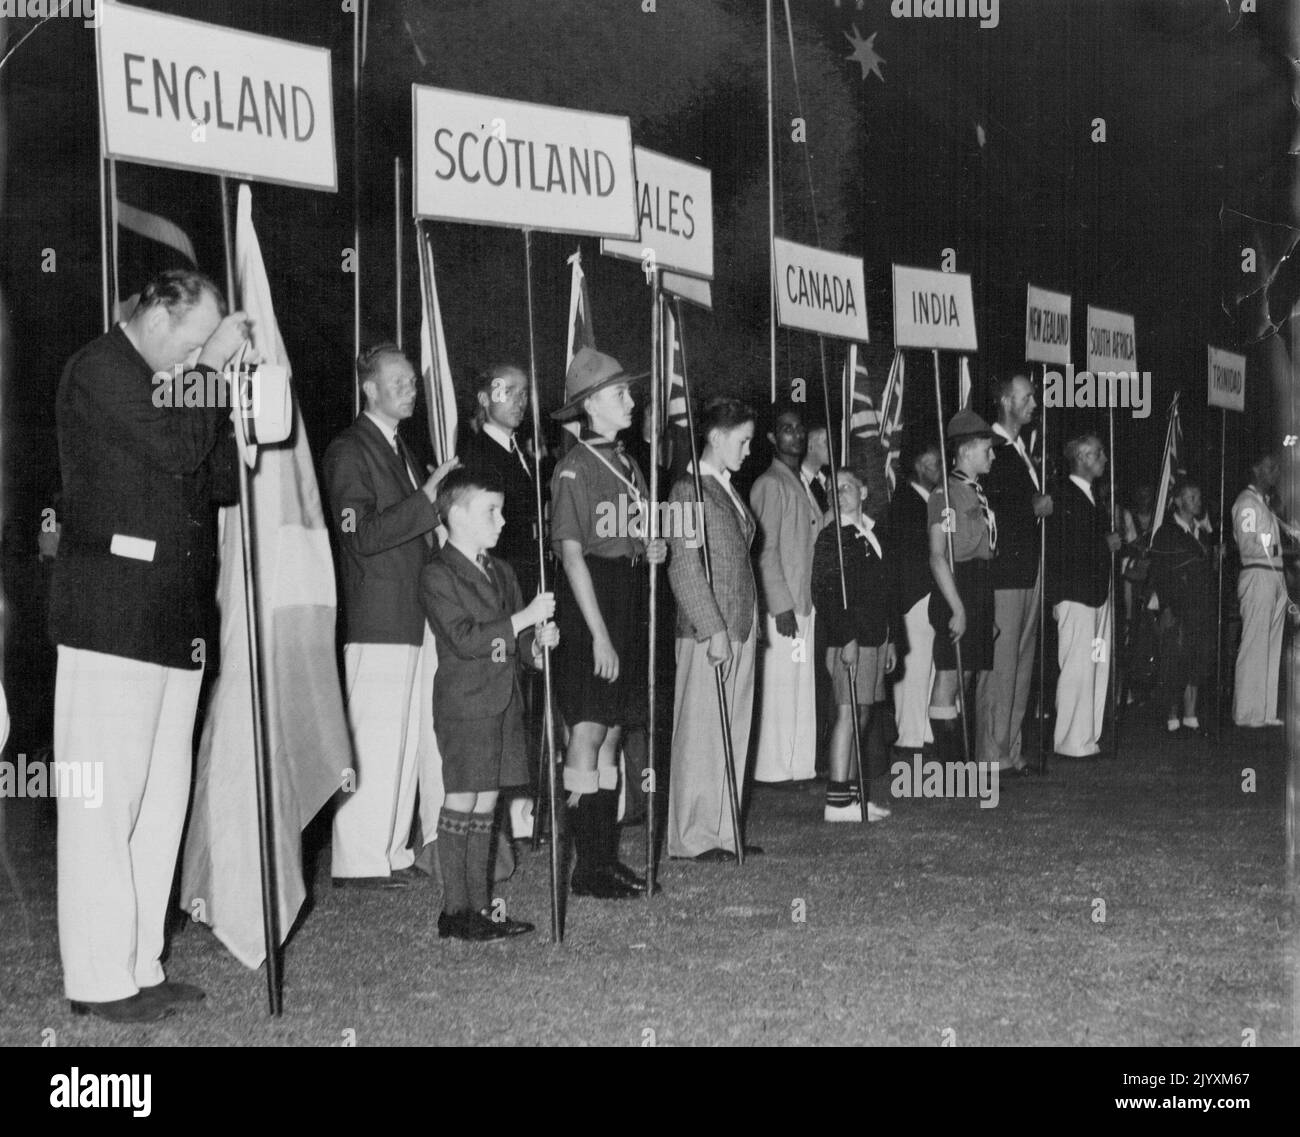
x,y
1083,652
912,689
390,713
130,726
1002,694
787,731
1261,594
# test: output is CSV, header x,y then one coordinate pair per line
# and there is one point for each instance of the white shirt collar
x,y
998,428
724,476
925,493
503,438
389,432
1084,485
1019,443
1190,530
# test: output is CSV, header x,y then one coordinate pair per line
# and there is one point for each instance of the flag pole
x,y
1218,655
548,725
359,16
864,783
724,716
262,769
652,531
1043,750
952,564
1113,663
107,252
771,212
397,246
113,230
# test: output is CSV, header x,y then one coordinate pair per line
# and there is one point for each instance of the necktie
x,y
990,521
485,567
405,459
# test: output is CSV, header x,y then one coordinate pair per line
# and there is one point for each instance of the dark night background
x,y
977,140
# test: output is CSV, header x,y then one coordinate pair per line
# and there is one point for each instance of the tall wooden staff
x,y
1218,654
1043,749
548,724
952,564
724,717
252,615
652,531
1114,638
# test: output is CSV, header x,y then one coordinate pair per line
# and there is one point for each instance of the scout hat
x,y
967,424
590,371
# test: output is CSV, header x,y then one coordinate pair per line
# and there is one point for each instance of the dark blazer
x,y
1183,572
477,651
135,470
909,537
871,583
1011,491
732,601
385,536
518,545
1078,560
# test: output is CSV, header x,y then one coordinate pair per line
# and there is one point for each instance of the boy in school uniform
x,y
482,627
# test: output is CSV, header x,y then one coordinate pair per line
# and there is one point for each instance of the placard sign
x,y
819,291
1112,341
689,288
1227,380
933,309
675,211
180,93
1047,326
491,161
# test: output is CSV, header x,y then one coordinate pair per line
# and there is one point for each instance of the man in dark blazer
x,y
1080,545
384,517
1013,487
909,536
131,610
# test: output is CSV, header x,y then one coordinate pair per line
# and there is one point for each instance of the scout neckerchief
x,y
864,527
638,501
990,521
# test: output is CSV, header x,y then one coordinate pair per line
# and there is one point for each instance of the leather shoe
x,y
468,926
624,875
138,1008
507,925
712,857
603,886
168,992
372,883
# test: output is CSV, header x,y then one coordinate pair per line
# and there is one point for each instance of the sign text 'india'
x,y
819,291
490,161
176,92
933,309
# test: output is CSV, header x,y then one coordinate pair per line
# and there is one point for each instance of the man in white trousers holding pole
x,y
131,611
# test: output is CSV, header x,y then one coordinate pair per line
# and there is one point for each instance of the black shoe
x,y
169,993
372,883
138,1008
468,926
710,857
506,925
624,875
601,886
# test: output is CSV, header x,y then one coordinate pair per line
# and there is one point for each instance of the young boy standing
x,y
473,604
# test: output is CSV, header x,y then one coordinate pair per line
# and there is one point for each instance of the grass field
x,y
946,918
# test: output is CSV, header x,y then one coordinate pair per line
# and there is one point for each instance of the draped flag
x,y
435,369
891,419
306,726
1170,464
676,426
581,331
860,419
